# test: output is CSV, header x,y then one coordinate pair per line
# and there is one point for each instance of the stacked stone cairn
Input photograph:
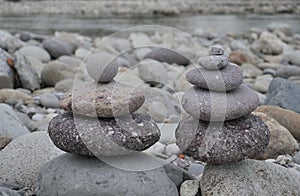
x,y
219,127
101,118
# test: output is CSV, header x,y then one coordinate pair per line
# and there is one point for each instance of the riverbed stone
x,y
287,118
284,93
250,71
240,57
249,177
281,140
102,67
22,158
49,100
103,137
86,176
288,71
64,85
35,51
216,50
294,57
270,44
6,72
167,55
103,99
152,71
262,83
217,106
220,142
27,74
57,47
213,62
11,125
226,79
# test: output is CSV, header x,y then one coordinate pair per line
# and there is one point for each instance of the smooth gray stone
x,y
6,73
249,177
288,71
220,142
219,106
35,51
226,79
84,176
8,192
213,62
49,101
57,48
27,74
285,94
167,55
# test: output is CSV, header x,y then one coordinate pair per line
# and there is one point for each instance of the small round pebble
x,y
102,67
196,169
217,143
216,50
103,136
49,101
213,62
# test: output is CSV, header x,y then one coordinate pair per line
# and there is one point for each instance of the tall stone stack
x,y
220,127
101,118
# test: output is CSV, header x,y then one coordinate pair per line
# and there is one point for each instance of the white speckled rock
x,y
216,50
213,62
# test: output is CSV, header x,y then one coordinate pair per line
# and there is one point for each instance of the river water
x,y
221,24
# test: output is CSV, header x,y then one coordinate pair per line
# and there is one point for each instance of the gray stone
x,y
270,44
102,67
250,71
274,66
196,169
177,174
296,158
152,71
6,73
49,101
27,74
172,149
214,62
103,99
284,93
29,152
249,177
285,28
218,106
158,112
288,71
220,142
35,51
216,50
11,125
190,188
4,140
168,56
64,85
294,57
8,192
103,137
226,79
9,42
86,176
70,61
55,72
57,48
271,72
262,83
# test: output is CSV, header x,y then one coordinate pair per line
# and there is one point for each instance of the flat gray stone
x,y
27,74
249,177
22,158
103,137
213,62
218,142
11,125
226,79
219,106
35,51
84,176
285,94
104,100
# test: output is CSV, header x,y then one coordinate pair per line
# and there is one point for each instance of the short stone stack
x,y
101,118
220,127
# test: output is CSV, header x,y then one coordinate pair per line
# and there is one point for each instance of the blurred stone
x,y
262,83
270,44
35,51
250,71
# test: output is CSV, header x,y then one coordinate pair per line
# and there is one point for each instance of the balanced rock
x,y
219,106
213,62
102,67
103,100
226,79
84,176
220,142
105,136
216,50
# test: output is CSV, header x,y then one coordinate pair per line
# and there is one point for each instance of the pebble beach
x,y
48,79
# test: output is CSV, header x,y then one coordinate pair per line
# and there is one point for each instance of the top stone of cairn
x,y
216,50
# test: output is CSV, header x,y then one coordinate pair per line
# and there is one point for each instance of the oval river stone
x,y
217,143
104,100
103,137
226,79
219,106
213,62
